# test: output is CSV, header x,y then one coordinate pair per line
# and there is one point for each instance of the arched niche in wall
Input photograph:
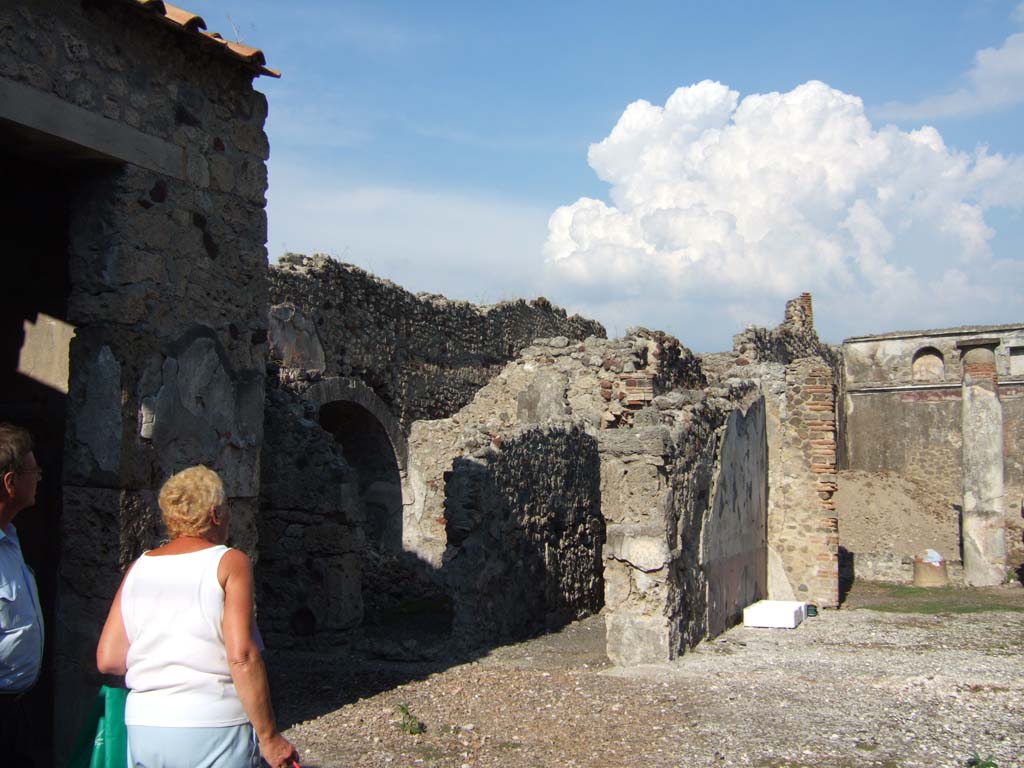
x,y
400,589
374,445
928,365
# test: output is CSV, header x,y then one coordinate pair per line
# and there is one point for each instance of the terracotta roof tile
x,y
186,19
194,25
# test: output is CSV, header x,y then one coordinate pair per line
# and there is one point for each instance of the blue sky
x,y
447,146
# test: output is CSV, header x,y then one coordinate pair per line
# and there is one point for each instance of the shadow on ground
x,y
308,684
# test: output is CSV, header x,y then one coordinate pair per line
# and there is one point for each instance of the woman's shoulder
x,y
234,562
235,557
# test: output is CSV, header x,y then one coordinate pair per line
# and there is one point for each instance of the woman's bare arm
x,y
245,661
112,650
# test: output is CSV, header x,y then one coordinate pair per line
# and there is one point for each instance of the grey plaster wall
x,y
734,539
887,359
1012,398
912,433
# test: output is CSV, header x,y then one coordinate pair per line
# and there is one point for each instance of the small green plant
x,y
410,723
976,761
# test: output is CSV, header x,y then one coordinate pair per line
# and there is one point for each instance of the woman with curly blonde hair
x,y
181,631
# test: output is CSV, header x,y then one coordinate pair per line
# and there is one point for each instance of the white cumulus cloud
x,y
721,207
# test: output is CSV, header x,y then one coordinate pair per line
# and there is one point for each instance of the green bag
x,y
103,740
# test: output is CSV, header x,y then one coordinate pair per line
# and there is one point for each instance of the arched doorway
x,y
403,597
367,448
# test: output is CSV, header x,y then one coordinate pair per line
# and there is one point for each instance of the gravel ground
x,y
853,687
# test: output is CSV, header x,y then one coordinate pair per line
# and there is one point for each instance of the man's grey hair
x,y
15,445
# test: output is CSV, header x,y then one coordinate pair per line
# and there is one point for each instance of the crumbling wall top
x,y
794,338
422,354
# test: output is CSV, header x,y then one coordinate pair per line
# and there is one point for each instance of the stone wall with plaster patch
x,y
686,513
682,472
168,297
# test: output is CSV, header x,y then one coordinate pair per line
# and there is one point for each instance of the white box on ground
x,y
776,614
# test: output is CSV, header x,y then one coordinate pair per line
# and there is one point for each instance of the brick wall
x,y
803,529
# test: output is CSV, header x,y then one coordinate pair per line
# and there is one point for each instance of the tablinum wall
x,y
901,413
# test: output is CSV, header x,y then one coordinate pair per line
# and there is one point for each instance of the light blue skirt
x,y
232,746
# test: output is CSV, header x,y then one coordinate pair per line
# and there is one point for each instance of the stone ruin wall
x,y
311,530
167,295
800,378
524,535
514,488
685,510
425,356
894,422
803,532
339,334
640,402
596,383
793,339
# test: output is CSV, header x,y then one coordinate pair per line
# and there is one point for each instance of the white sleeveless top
x,y
172,607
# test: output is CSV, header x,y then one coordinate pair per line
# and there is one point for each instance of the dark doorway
x,y
406,609
367,449
35,203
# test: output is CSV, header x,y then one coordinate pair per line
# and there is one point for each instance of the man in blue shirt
x,y
21,619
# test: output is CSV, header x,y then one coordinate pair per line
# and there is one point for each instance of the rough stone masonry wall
x,y
778,360
424,355
311,528
686,513
333,324
168,297
641,398
597,383
524,534
803,529
792,339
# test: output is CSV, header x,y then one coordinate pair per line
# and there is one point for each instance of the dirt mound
x,y
882,512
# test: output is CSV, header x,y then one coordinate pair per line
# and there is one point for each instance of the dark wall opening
x,y
367,448
401,594
35,201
